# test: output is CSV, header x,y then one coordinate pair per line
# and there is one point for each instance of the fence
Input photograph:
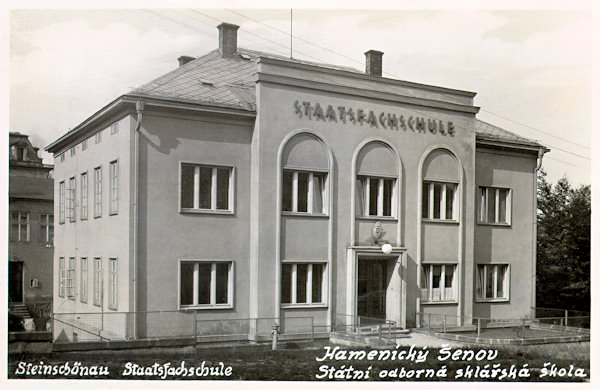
x,y
505,328
110,326
561,317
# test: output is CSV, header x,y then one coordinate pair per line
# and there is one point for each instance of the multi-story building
x,y
31,213
244,186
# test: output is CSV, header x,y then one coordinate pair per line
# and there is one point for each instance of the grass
x,y
301,364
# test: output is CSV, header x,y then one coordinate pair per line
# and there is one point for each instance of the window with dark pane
x,y
187,284
301,278
302,192
205,187
317,283
288,185
204,282
222,283
187,186
222,189
286,283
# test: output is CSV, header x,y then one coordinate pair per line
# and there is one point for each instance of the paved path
x,y
420,339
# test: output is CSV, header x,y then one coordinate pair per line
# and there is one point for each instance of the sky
x,y
531,68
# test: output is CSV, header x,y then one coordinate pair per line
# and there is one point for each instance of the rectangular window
x,y
72,151
83,283
114,128
303,283
206,188
84,144
375,196
206,284
98,137
19,226
83,213
71,278
440,201
62,277
97,281
62,157
61,204
494,205
439,281
304,192
114,187
98,192
112,283
47,229
493,282
71,200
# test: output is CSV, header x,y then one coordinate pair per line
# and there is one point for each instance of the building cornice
x,y
127,103
359,92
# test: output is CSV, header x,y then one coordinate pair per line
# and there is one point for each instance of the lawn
x,y
260,363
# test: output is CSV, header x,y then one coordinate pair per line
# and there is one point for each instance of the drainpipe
x,y
139,107
534,238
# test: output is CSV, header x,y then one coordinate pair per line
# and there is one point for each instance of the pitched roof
x,y
491,132
230,82
210,79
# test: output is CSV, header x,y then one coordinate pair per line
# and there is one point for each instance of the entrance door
x,y
372,283
15,281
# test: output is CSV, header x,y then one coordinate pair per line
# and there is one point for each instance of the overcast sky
x,y
531,69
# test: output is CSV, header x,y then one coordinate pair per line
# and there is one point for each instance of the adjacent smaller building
x,y
31,215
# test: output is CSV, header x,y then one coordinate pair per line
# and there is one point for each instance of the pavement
x,y
421,339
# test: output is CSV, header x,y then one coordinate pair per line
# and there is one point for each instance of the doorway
x,y
372,286
15,281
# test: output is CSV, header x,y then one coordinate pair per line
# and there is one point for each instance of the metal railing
x,y
364,326
507,328
561,317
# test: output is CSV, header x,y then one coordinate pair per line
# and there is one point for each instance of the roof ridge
x,y
296,60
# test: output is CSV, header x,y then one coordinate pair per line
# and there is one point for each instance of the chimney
x,y
227,39
184,60
373,65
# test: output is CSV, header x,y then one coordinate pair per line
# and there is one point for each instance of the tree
x,y
563,245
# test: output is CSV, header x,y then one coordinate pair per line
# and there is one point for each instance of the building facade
x,y
250,188
31,234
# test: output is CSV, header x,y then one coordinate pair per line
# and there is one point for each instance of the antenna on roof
x,y
291,36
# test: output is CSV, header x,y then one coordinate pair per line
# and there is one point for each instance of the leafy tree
x,y
563,245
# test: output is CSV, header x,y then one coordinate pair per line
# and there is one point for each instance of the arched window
x,y
376,181
440,186
305,174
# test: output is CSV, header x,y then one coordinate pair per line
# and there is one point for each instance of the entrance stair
x,y
20,310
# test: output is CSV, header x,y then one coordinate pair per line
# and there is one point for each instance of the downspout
x,y
139,107
534,238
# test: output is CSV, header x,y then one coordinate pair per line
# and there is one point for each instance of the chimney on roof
x,y
373,62
227,39
184,60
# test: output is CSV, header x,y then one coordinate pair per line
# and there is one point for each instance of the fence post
x,y
478,326
566,318
312,329
195,325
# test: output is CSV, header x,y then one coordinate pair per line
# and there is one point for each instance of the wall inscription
x,y
385,120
